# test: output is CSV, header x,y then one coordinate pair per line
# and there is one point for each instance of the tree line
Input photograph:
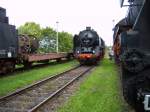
x,y
47,37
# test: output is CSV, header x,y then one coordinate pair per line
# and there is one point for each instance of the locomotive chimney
x,y
88,28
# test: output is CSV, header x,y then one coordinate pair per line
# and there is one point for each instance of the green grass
x,y
100,92
19,80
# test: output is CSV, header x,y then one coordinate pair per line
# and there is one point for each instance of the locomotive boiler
x,y
88,47
132,52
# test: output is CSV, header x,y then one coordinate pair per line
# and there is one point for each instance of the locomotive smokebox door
x,y
88,28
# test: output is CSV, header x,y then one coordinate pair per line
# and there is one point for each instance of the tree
x,y
47,37
65,42
30,28
48,40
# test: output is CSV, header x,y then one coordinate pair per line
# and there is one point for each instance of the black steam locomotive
x,y
132,52
89,48
8,40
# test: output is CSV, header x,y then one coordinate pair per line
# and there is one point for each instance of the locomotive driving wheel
x,y
135,87
133,60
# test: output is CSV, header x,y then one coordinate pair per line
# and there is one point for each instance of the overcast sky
x,y
73,15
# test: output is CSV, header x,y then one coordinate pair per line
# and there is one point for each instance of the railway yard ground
x,y
16,81
97,91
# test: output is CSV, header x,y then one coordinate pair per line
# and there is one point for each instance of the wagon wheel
x,y
3,70
12,66
95,62
81,62
9,67
58,60
45,61
27,64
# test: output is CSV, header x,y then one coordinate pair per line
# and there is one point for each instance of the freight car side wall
x,y
41,57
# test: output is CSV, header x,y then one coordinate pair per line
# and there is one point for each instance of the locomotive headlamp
x,y
93,51
78,52
9,54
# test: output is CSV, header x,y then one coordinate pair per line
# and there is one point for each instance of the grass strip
x,y
100,92
19,80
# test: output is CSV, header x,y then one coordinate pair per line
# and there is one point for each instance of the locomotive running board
x,y
147,102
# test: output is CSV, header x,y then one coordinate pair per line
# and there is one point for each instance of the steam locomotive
x,y
89,48
132,52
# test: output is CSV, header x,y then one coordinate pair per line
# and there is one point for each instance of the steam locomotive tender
x,y
132,51
88,47
8,43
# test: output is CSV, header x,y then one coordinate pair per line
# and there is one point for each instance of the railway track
x,y
33,97
23,69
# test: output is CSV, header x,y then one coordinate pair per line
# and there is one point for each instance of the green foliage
x,y
100,92
47,37
30,28
48,40
65,42
48,31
